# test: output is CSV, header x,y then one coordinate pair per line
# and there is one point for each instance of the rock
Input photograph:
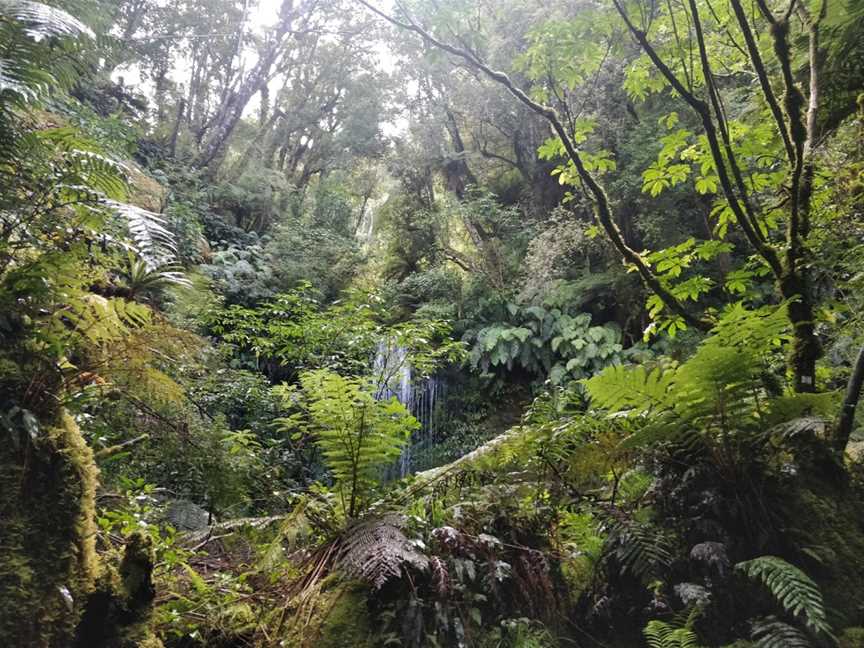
x,y
184,515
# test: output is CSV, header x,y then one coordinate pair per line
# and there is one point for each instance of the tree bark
x,y
850,404
175,132
213,149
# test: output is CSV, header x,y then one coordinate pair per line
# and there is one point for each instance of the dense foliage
x,y
331,322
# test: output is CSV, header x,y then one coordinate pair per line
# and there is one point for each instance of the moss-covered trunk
x,y
50,573
48,562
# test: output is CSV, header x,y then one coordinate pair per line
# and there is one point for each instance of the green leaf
x,y
792,588
706,184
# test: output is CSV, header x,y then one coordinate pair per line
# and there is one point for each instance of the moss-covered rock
x,y
851,638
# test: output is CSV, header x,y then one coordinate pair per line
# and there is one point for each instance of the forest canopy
x,y
431,323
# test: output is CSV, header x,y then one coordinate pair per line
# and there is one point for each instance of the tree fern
x,y
797,594
717,392
357,434
376,550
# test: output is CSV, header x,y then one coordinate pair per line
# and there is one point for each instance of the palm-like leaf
x,y
25,73
40,21
792,588
140,277
153,241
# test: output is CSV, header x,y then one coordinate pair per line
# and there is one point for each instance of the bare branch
x,y
745,221
601,201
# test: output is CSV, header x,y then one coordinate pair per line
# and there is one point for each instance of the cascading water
x,y
394,376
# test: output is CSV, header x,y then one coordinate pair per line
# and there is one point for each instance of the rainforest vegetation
x,y
431,323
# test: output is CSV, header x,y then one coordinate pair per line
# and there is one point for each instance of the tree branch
x,y
714,97
112,450
702,109
601,201
762,75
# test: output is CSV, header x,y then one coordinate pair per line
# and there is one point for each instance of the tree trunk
x,y
459,174
850,404
213,148
806,349
172,144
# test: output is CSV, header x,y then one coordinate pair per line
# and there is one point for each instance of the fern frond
x,y
154,242
42,21
102,320
754,331
26,73
795,427
659,634
718,391
719,387
376,551
634,390
773,633
791,588
140,277
639,549
804,406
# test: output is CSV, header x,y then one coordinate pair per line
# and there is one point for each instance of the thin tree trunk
x,y
847,415
175,132
806,349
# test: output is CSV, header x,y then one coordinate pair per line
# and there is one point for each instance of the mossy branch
x,y
104,453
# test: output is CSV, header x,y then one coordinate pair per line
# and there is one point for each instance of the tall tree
x,y
686,62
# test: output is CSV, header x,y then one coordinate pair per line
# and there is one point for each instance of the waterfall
x,y
394,377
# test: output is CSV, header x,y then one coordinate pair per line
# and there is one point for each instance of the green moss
x,y
833,529
53,584
48,561
346,623
851,638
340,617
117,613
